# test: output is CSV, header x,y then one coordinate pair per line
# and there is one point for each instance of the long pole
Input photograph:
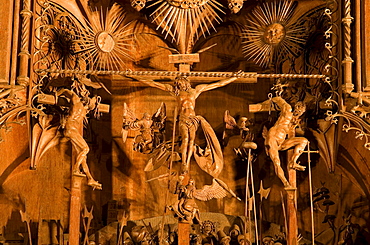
x,y
247,213
254,199
169,175
75,210
311,194
284,212
75,202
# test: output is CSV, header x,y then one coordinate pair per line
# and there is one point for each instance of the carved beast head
x,y
235,5
138,4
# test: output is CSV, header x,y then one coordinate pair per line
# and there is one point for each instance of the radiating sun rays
x,y
270,34
106,42
186,21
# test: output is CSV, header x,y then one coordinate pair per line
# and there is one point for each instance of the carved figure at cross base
x,y
281,137
189,122
78,109
185,208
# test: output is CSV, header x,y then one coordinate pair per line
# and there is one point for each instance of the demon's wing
x,y
159,118
230,127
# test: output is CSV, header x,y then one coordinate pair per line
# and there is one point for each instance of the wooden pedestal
x,y
75,210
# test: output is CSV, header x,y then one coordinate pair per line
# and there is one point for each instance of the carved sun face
x,y
274,34
270,33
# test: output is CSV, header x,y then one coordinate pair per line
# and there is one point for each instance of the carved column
x,y
75,203
8,22
347,61
184,227
184,233
13,48
358,47
366,40
25,42
292,232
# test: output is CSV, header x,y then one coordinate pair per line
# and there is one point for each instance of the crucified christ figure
x,y
78,109
281,137
188,120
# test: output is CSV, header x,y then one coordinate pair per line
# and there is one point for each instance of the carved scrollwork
x,y
353,123
66,41
11,108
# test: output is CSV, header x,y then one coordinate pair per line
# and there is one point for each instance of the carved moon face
x,y
104,41
274,34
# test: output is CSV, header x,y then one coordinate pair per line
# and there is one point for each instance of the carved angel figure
x,y
151,128
185,208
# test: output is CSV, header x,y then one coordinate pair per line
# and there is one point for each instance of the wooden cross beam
x,y
50,99
250,77
309,151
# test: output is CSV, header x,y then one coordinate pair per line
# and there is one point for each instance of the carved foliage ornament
x,y
11,107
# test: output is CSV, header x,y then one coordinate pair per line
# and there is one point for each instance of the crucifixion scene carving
x,y
151,122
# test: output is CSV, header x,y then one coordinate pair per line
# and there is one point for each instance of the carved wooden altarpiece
x,y
116,60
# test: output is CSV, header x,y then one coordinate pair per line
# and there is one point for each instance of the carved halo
x,y
186,20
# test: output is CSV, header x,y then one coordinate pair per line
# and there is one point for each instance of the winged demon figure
x,y
241,127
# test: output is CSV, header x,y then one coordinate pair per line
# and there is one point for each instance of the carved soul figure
x,y
151,128
189,122
281,137
78,109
